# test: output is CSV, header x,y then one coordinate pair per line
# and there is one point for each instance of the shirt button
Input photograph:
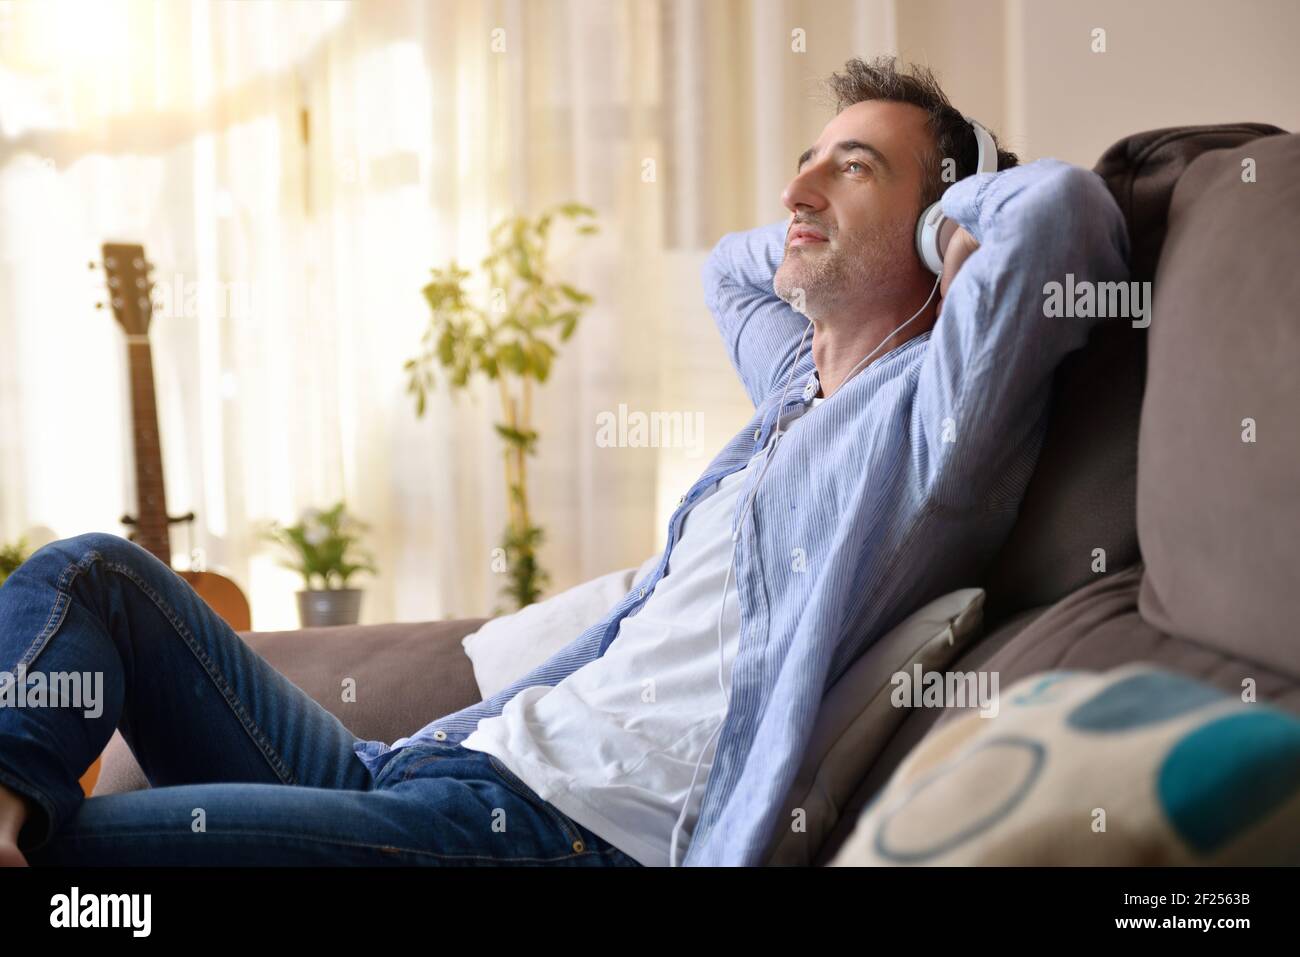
x,y
757,432
682,500
642,592
440,735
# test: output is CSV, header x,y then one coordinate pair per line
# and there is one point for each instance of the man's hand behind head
x,y
959,249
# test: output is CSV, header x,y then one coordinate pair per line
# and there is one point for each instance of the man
x,y
881,468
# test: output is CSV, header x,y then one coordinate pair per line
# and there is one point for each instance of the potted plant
x,y
323,544
11,556
512,342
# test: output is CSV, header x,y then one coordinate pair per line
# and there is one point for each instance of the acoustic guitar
x,y
130,290
126,273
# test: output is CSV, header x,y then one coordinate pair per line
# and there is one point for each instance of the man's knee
x,y
69,551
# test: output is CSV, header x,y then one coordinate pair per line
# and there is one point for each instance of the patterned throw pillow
x,y
1131,766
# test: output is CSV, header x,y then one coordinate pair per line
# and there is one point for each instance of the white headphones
x,y
930,228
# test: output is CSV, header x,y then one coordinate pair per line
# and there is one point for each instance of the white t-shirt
x,y
614,745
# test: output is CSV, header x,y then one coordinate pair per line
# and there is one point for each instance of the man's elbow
x,y
716,278
1082,207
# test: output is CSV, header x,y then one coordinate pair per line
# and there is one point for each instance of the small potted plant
x,y
11,556
323,544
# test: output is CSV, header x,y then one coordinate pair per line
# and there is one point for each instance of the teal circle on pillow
x,y
1227,775
1139,700
969,762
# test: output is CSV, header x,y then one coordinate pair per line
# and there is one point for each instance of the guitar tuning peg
x,y
99,305
92,265
143,303
110,263
137,263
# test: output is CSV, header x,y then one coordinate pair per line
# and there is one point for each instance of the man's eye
x,y
861,166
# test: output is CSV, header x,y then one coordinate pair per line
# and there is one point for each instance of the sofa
x,y
1160,524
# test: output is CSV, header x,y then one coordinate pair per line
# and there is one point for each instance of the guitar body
x,y
223,596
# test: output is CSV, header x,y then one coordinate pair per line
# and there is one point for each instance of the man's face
x,y
854,204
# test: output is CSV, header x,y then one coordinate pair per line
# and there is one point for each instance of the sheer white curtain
x,y
294,170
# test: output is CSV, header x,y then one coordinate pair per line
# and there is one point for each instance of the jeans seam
x,y
394,764
214,674
107,835
418,763
54,621
258,736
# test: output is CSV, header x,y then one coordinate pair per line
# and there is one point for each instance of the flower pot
x,y
331,606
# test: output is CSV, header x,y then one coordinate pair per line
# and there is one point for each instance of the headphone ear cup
x,y
928,228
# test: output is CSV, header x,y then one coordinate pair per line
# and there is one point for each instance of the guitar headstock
x,y
130,289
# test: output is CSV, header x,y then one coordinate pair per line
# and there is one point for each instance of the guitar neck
x,y
152,527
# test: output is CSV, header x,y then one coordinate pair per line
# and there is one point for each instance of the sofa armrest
x,y
406,675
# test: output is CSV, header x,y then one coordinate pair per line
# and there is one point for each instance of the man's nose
x,y
802,192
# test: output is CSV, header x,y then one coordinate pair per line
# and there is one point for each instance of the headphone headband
x,y
987,159
930,225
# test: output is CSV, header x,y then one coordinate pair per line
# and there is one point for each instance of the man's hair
x,y
881,79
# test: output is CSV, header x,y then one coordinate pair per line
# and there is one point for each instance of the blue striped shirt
x,y
897,489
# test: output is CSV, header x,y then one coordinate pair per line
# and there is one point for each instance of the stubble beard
x,y
824,277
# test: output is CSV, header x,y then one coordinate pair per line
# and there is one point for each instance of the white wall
x,y
1028,66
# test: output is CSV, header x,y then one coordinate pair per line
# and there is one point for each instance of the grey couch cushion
x,y
1084,491
858,717
1219,517
1101,627
406,676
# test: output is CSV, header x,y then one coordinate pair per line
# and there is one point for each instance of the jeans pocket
x,y
575,839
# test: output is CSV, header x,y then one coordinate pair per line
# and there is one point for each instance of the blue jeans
x,y
246,768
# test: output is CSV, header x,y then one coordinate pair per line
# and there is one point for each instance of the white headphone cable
x,y
897,330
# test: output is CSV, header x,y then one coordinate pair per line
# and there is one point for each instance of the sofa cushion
x,y
1142,170
1132,766
858,715
1084,490
1219,449
406,676
1100,627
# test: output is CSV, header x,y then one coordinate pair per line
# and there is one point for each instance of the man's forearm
x,y
987,375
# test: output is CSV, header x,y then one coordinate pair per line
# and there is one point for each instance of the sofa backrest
x,y
1083,495
1219,449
